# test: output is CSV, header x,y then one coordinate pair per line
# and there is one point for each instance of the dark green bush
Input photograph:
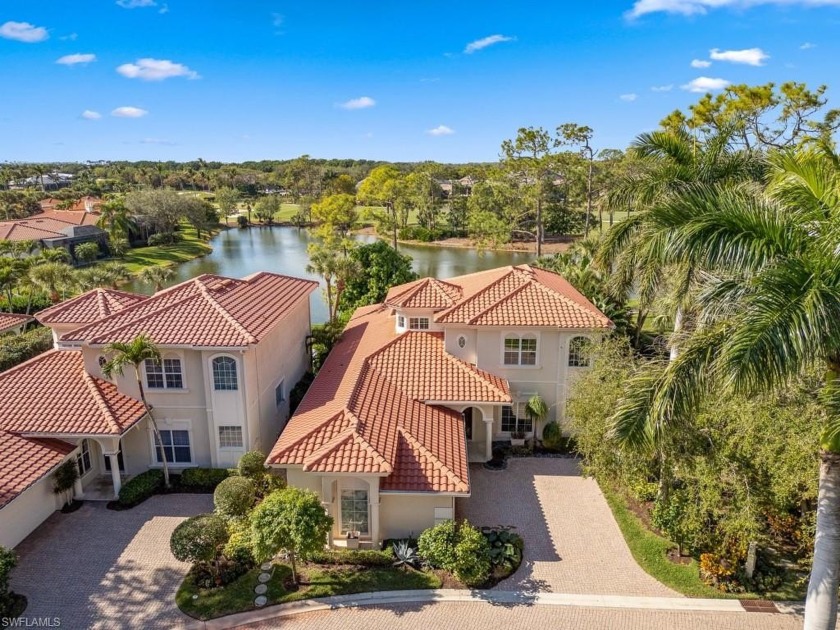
x,y
8,560
299,390
22,303
360,557
505,547
15,349
234,496
199,538
202,479
552,436
252,465
165,238
139,488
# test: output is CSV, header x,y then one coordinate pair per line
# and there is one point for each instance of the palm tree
x,y
52,277
135,353
769,307
156,276
116,273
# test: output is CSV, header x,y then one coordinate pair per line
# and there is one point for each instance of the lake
x,y
237,253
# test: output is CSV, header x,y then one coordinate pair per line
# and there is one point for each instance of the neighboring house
x,y
423,384
56,228
232,350
13,323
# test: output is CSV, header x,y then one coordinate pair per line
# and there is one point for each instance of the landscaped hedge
x,y
202,479
139,488
15,349
361,557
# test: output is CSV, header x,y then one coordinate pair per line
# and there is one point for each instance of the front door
x,y
468,416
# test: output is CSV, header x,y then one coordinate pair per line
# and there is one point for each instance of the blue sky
x,y
399,81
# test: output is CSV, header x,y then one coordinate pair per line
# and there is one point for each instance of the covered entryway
x,y
478,428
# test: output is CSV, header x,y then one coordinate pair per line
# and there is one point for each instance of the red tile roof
x,y
23,461
89,307
365,413
9,321
53,394
46,224
522,296
426,293
207,311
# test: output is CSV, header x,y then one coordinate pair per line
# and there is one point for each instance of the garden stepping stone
x,y
264,577
261,589
265,566
260,601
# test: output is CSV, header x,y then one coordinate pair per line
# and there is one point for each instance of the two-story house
x,y
423,384
231,350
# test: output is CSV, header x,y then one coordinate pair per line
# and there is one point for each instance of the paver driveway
x,y
97,568
572,542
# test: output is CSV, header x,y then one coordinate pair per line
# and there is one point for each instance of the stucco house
x,y
423,384
231,350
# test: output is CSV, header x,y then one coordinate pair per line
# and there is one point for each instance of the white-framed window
x,y
520,349
514,418
400,321
224,374
280,394
230,437
578,348
418,323
83,461
176,446
354,511
167,374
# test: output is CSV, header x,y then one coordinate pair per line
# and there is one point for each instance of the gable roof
x,y
424,293
207,311
366,411
23,461
8,321
53,394
44,225
89,307
522,296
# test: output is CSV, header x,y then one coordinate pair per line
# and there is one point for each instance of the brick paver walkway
x,y
97,568
572,542
482,616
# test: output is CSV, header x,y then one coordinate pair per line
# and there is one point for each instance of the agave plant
x,y
406,556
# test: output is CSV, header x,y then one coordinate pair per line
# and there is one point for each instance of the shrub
x,y
15,349
242,221
299,390
234,496
8,560
238,547
252,465
552,436
86,252
64,478
360,557
436,545
164,238
471,562
202,479
199,539
505,547
139,488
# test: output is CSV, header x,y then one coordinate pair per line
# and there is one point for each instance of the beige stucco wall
x,y
403,515
28,510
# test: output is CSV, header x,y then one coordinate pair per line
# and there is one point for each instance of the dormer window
x,y
418,323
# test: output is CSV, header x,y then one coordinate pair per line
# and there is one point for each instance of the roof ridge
x,y
411,439
98,292
502,299
306,435
475,372
351,432
410,292
580,307
204,291
445,313
90,381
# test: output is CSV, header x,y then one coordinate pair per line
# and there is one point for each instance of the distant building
x,y
57,228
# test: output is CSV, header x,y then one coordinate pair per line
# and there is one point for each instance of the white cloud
x,y
629,97
150,69
705,84
701,7
72,37
362,102
71,60
89,114
129,112
807,46
700,63
484,42
748,56
23,32
164,9
136,4
441,130
662,88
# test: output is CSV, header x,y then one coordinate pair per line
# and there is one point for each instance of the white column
x,y
78,491
373,497
115,472
487,415
327,501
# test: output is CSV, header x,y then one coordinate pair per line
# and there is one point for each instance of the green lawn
x,y
191,247
316,581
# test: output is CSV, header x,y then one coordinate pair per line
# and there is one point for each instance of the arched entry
x,y
476,431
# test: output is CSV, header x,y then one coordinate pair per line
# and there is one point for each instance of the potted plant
x,y
517,437
352,535
537,410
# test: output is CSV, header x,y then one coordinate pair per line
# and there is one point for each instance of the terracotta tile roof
x,y
46,224
427,293
418,364
523,296
89,307
207,311
53,394
13,320
23,461
358,418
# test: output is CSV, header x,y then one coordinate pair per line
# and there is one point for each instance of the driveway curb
x,y
510,598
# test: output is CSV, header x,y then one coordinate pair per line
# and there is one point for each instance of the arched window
x,y
578,348
224,374
520,349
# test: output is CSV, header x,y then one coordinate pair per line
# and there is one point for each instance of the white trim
x,y
166,424
512,334
237,368
166,389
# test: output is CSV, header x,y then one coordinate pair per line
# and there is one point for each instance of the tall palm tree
x,y
133,354
52,277
157,276
770,304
